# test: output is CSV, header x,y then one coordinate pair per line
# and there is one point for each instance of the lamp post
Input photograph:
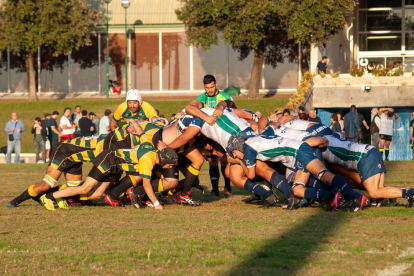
x,y
107,49
125,4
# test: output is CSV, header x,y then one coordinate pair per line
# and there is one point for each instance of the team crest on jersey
x,y
379,166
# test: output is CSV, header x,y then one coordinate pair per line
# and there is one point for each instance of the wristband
x,y
156,203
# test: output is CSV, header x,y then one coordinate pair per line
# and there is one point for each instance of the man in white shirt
x,y
66,125
104,125
387,116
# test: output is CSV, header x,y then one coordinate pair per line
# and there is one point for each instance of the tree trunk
x,y
31,77
256,74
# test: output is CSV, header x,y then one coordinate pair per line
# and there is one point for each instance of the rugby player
x,y
133,108
311,127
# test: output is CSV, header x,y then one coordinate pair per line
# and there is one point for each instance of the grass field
x,y
28,111
221,237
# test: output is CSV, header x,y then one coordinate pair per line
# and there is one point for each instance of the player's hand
x,y
159,207
218,112
179,114
161,145
211,120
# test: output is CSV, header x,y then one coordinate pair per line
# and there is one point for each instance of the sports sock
x,y
50,196
214,177
341,184
190,177
381,150
316,193
156,186
124,184
387,152
406,193
316,183
280,183
227,184
29,193
254,188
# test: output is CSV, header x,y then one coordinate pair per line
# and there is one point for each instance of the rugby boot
x,y
336,202
12,204
293,203
47,203
269,199
410,201
376,202
227,193
165,199
253,200
176,198
74,202
62,203
359,201
113,203
135,199
189,199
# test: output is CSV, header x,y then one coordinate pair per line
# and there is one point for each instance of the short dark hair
x,y
353,107
84,112
286,111
162,116
334,117
209,79
55,113
230,104
67,108
77,106
158,112
301,108
107,112
38,119
324,57
303,116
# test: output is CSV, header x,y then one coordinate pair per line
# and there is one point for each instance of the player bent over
x,y
61,162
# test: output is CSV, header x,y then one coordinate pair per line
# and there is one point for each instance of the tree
x,y
253,25
59,26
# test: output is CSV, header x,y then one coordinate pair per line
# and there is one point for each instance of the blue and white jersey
x,y
289,133
225,126
298,124
345,153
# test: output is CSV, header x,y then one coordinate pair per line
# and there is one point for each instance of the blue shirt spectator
x,y
15,127
351,124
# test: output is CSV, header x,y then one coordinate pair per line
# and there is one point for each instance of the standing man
x,y
85,124
352,128
75,117
313,117
375,127
39,139
133,108
362,122
104,124
212,98
14,129
95,122
322,67
53,131
387,116
67,126
412,134
47,142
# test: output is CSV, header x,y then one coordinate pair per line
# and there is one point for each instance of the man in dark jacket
x,y
85,124
39,131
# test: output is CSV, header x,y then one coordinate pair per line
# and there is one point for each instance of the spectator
x,y
387,116
47,142
352,128
340,121
95,122
85,125
362,122
39,139
335,126
313,117
104,124
278,114
375,127
68,128
321,67
110,86
116,88
286,112
75,117
53,131
14,129
303,116
301,109
162,118
412,133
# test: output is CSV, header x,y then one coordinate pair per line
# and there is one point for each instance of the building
x,y
158,59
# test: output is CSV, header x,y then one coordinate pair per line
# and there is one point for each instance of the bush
x,y
356,71
336,74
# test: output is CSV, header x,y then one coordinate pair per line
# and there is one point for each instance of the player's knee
x,y
298,188
50,181
170,181
373,193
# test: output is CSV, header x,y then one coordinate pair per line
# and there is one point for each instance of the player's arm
x,y
286,118
262,124
146,183
137,127
114,124
317,142
249,172
183,139
193,108
245,115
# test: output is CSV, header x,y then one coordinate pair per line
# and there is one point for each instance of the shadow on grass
x,y
289,252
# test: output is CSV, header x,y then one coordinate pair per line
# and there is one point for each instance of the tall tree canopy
x,y
262,26
59,26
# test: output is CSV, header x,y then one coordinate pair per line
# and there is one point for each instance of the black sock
x,y
227,184
50,196
190,177
23,197
316,183
122,185
406,193
280,183
316,193
387,152
254,188
214,177
155,183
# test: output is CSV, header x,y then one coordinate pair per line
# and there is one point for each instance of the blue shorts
x,y
319,130
304,157
371,164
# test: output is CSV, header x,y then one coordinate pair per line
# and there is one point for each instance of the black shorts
x,y
60,158
386,137
157,137
167,173
111,142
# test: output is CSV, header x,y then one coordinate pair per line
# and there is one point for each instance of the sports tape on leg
x,y
50,180
74,183
321,173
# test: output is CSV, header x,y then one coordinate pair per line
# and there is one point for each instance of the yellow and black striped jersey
x,y
86,142
123,114
121,133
